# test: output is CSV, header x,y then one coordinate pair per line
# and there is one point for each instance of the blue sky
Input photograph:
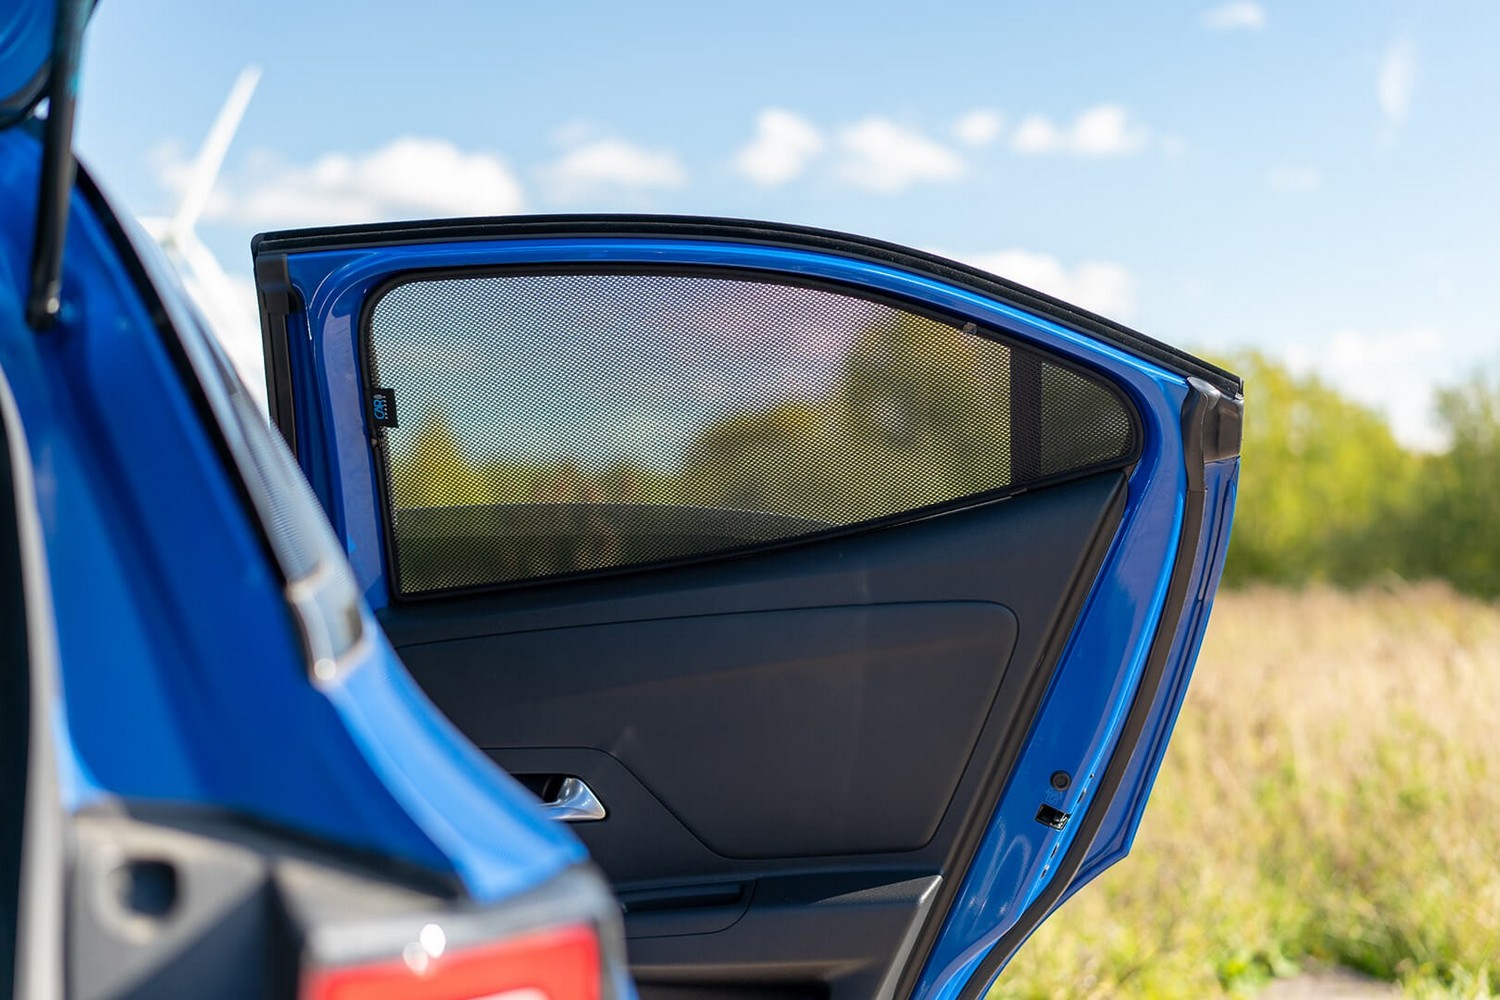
x,y
1318,180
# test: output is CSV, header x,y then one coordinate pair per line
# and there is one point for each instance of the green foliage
x,y
1328,494
437,472
916,417
1453,529
1323,483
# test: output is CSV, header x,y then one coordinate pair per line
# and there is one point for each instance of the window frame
x,y
381,469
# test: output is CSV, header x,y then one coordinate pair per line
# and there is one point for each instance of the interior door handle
x,y
575,802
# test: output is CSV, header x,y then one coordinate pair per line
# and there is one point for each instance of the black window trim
x,y
757,233
381,472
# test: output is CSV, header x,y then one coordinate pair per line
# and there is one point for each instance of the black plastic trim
x,y
1026,365
278,300
753,232
55,185
231,824
375,907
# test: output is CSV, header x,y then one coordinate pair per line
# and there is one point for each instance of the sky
x,y
1314,180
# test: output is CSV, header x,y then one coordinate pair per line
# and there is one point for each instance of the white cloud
x,y
1103,130
1240,15
170,160
884,157
1395,84
1295,179
612,166
1393,371
783,145
979,127
1098,286
1037,134
409,177
1106,131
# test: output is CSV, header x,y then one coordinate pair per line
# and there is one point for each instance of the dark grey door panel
x,y
837,936
874,709
825,735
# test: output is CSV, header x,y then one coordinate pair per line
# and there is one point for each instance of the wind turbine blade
x,y
230,307
211,155
202,265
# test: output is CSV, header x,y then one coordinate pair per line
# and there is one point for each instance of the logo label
x,y
383,408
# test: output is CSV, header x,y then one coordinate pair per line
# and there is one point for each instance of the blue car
x,y
611,606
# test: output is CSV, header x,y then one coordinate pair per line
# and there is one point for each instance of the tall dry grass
x,y
1332,793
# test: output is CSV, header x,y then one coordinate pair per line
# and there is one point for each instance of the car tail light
x,y
561,963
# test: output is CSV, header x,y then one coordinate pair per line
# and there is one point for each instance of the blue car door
x,y
841,597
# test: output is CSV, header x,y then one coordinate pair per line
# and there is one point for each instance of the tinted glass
x,y
567,422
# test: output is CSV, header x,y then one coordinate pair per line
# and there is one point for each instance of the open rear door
x,y
841,596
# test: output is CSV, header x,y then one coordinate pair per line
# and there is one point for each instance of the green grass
x,y
1332,794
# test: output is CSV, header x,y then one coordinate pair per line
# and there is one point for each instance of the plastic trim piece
x,y
44,297
278,300
38,945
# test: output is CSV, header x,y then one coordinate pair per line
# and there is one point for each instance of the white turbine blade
x,y
211,155
229,305
201,263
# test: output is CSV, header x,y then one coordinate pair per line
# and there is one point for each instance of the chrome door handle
x,y
575,803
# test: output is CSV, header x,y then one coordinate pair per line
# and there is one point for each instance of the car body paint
x,y
182,677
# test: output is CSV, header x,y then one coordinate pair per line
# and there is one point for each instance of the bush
x,y
1324,486
1327,494
1453,529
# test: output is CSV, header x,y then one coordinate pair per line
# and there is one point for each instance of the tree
x,y
1324,485
432,470
1454,529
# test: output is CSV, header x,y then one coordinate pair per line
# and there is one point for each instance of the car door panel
x,y
848,762
876,709
798,938
878,705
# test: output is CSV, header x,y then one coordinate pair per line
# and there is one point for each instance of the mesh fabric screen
x,y
566,422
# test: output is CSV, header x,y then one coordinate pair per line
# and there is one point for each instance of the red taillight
x,y
557,964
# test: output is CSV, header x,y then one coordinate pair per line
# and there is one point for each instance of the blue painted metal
x,y
1118,831
1094,685
181,674
1113,840
25,48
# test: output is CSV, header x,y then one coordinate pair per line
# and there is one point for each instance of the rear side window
x,y
540,424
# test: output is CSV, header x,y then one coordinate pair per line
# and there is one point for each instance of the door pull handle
x,y
575,802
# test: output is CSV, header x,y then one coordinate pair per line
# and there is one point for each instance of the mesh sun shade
x,y
567,422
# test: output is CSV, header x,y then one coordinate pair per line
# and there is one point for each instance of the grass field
x,y
1332,794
